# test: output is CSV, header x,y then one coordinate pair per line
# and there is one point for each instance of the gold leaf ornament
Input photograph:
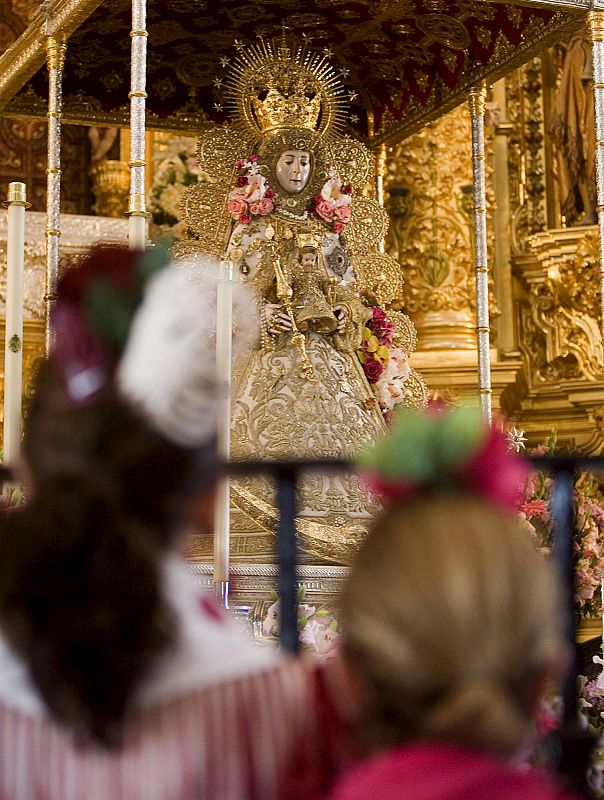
x,y
204,211
383,276
353,162
219,148
368,225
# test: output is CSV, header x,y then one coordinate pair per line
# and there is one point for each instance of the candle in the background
x,y
13,350
224,354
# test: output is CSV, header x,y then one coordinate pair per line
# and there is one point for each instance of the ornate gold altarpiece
x,y
418,60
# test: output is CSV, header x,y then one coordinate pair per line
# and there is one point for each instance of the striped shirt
x,y
220,719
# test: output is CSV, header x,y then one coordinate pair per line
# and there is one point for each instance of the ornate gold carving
x,y
110,186
430,233
383,276
445,30
204,211
526,153
218,150
561,381
368,225
353,161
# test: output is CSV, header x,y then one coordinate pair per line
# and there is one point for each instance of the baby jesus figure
x,y
310,300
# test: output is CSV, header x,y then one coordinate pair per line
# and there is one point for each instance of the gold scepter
x,y
284,295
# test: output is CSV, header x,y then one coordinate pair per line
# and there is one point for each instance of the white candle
x,y
13,349
224,354
137,231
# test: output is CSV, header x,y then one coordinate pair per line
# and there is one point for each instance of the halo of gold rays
x,y
291,72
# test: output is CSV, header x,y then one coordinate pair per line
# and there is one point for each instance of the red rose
x,y
244,219
253,159
242,180
373,370
318,198
346,189
269,193
338,227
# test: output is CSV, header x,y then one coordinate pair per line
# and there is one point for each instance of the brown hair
x,y
80,595
450,621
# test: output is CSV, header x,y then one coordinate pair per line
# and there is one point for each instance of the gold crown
x,y
281,110
273,86
308,240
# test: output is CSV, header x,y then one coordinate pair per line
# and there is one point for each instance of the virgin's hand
x,y
277,320
342,316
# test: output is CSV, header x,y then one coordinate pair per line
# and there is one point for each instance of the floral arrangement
x,y
252,197
333,204
177,169
385,367
589,521
318,629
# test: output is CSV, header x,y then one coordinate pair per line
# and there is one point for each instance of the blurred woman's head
x,y
451,623
81,597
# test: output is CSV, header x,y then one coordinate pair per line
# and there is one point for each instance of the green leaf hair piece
x,y
424,448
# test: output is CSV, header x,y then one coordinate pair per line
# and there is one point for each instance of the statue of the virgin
x,y
287,209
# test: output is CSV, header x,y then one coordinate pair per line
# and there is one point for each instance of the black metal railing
x,y
571,745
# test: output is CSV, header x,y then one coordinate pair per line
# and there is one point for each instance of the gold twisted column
x,y
55,59
138,76
595,24
477,101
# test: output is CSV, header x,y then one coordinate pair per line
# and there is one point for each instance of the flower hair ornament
x,y
441,451
96,300
168,369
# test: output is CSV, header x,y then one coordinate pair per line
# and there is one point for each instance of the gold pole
x,y
477,101
138,68
55,59
595,25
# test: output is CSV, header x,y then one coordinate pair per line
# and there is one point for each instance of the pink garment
x,y
258,737
434,771
218,719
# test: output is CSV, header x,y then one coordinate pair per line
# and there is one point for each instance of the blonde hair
x,y
450,617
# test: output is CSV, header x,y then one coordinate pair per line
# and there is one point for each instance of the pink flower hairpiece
x,y
444,451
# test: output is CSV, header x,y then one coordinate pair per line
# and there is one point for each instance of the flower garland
x,y
589,522
252,197
385,367
333,203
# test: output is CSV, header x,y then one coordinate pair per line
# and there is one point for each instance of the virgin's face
x,y
293,170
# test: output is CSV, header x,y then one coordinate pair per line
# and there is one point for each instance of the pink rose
x,y
244,219
324,210
253,159
338,227
373,370
342,213
262,207
239,164
237,206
